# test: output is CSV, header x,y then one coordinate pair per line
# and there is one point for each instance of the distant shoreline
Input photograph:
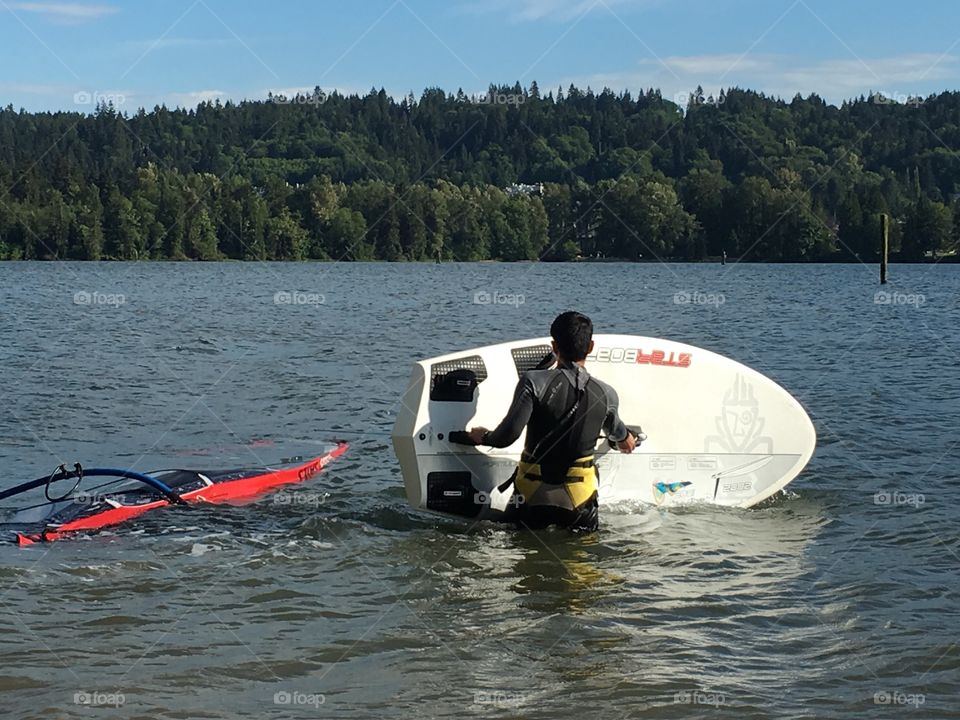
x,y
945,260
525,174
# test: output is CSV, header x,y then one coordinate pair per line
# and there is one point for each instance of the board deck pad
x,y
717,431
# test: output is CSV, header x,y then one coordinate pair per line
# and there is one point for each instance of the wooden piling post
x,y
884,246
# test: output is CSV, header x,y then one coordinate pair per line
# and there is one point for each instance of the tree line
x,y
514,175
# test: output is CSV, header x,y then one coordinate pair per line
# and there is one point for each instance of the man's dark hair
x,y
573,332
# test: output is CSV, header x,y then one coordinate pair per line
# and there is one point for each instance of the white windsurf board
x,y
717,431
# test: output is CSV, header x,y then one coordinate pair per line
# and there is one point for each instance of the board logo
x,y
636,356
739,425
312,469
740,486
662,489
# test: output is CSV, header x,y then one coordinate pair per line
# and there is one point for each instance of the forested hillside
x,y
610,175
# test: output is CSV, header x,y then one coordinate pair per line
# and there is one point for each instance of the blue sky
x,y
64,54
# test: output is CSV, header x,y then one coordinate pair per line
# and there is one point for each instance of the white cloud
x,y
562,10
835,80
34,89
901,74
193,98
68,97
559,9
713,65
292,92
288,91
64,12
180,42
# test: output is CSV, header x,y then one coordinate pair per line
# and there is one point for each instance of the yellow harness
x,y
580,483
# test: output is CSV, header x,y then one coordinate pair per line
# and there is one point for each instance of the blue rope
x,y
161,487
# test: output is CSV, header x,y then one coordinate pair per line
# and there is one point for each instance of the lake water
x,y
839,599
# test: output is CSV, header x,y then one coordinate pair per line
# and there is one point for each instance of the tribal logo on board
x,y
739,425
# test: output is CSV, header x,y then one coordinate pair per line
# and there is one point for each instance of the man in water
x,y
564,411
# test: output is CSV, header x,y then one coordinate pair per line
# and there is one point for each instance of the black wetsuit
x,y
564,411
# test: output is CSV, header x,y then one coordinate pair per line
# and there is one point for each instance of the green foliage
x,y
928,229
362,178
346,236
202,237
286,239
